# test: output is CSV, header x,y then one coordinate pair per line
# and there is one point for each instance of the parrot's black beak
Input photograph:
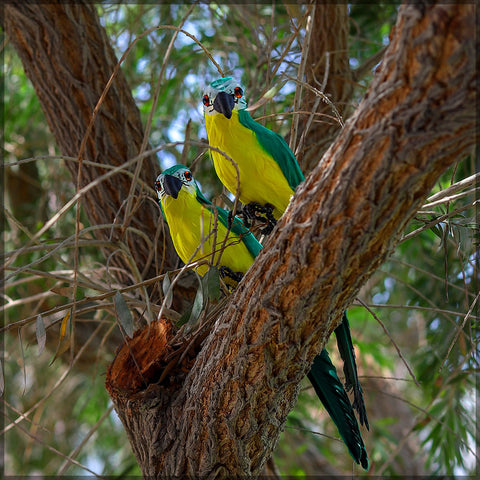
x,y
172,185
224,103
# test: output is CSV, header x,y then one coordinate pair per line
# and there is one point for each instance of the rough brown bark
x,y
223,417
327,61
67,56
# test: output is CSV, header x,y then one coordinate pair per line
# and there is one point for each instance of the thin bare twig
x,y
410,371
459,331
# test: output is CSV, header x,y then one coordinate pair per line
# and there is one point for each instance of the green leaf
x,y
197,303
41,334
184,318
167,291
437,231
65,335
124,316
192,315
2,379
211,284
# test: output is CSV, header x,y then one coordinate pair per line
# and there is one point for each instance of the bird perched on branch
x,y
267,174
198,230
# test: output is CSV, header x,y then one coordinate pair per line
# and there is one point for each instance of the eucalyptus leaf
x,y
211,284
184,318
124,315
2,379
63,291
167,290
197,303
65,335
437,231
41,334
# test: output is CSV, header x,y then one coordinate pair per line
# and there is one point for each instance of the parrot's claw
x,y
262,213
270,218
228,272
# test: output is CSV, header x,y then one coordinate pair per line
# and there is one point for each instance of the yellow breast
x,y
192,228
261,179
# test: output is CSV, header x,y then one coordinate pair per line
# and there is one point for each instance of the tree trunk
x,y
67,56
221,414
328,70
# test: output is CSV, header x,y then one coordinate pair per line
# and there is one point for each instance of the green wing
x,y
277,147
331,393
238,227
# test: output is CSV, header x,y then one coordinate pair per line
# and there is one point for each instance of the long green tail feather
x,y
330,391
347,352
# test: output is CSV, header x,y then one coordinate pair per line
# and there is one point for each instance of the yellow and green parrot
x,y
193,223
269,175
269,172
198,228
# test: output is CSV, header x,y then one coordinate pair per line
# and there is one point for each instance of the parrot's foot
x,y
262,213
226,272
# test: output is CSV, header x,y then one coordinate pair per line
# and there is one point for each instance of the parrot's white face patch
x,y
228,85
183,174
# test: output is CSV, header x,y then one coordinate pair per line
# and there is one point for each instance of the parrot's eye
x,y
158,186
188,176
206,100
238,92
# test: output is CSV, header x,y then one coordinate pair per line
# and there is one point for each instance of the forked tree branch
x,y
223,417
222,414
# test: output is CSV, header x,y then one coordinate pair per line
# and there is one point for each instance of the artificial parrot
x,y
194,222
269,174
268,170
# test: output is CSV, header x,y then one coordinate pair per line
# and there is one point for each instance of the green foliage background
x,y
421,295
